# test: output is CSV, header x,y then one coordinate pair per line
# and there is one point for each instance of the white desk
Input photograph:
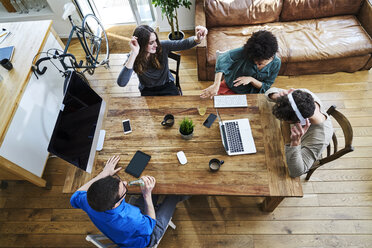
x,y
28,106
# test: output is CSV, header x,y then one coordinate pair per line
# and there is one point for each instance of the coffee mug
x,y
168,120
215,164
6,64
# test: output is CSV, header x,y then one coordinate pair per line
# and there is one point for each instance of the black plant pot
x,y
179,37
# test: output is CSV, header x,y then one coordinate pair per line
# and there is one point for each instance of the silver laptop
x,y
236,136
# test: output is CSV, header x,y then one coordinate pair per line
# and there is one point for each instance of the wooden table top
x,y
28,39
261,174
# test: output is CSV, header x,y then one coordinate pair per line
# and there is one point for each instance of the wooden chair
x,y
177,58
334,153
101,241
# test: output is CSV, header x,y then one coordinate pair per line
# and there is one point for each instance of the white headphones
x,y
295,109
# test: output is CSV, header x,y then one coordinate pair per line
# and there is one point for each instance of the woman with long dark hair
x,y
149,60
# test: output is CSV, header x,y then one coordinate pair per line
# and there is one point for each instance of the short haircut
x,y
103,194
262,45
284,111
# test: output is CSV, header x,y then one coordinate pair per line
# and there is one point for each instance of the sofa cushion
x,y
309,9
243,12
308,40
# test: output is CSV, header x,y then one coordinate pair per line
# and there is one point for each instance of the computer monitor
x,y
79,121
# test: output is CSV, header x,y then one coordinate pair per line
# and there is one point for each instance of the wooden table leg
x,y
271,202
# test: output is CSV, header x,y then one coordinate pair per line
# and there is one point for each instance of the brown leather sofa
x,y
314,36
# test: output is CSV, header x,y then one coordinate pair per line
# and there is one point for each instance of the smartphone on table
x,y
209,121
126,126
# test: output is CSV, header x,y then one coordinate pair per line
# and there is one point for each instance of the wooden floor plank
x,y
336,210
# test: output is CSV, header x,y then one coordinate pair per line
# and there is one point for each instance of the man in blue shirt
x,y
102,198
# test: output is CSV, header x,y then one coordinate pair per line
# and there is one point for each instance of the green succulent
x,y
186,126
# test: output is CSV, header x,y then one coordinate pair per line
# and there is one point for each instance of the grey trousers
x,y
163,212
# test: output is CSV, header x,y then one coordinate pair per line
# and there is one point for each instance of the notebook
x,y
6,52
236,136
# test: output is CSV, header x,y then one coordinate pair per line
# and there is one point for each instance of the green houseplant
x,y
169,10
187,128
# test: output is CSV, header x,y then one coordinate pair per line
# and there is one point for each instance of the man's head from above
x,y
284,111
105,193
261,47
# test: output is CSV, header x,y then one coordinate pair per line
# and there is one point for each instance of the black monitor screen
x,y
76,124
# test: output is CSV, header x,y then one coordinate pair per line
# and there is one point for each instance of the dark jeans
x,y
164,213
168,89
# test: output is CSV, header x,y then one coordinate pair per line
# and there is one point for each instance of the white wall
x,y
61,26
186,19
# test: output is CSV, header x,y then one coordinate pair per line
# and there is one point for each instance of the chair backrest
x,y
177,58
332,150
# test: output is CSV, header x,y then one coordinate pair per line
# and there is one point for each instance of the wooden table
x,y
261,174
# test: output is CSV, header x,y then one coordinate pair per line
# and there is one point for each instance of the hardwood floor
x,y
336,210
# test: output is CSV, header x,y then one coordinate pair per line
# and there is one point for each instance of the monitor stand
x,y
101,139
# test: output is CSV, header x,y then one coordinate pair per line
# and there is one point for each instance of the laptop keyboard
x,y
230,101
233,136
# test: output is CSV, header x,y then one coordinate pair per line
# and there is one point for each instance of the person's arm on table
x,y
263,85
108,170
213,89
149,184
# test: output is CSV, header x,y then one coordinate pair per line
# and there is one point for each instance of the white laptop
x,y
230,101
236,136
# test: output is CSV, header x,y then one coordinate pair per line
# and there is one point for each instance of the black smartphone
x,y
209,121
126,126
137,164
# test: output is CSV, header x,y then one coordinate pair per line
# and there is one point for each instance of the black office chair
x,y
177,58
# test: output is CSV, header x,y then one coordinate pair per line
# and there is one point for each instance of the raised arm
x,y
108,170
127,70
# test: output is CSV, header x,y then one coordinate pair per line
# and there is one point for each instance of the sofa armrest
x,y
365,16
201,49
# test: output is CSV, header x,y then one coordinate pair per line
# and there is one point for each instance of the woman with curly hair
x,y
149,59
311,131
248,69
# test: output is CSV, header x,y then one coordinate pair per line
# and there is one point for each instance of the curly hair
x,y
103,194
143,33
262,45
283,109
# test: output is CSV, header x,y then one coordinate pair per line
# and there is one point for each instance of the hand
x,y
109,169
281,93
134,46
211,91
297,131
149,184
242,81
200,33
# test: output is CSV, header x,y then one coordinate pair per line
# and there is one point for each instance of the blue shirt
x,y
234,64
124,225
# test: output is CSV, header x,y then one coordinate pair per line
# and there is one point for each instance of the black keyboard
x,y
233,136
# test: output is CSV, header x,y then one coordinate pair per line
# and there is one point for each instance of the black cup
x,y
168,120
6,64
215,164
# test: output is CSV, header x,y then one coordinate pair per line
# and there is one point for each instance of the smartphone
x,y
209,121
126,126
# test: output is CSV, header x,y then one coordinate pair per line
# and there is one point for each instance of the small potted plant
x,y
187,128
169,10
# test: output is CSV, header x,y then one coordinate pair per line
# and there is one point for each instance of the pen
x,y
5,37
